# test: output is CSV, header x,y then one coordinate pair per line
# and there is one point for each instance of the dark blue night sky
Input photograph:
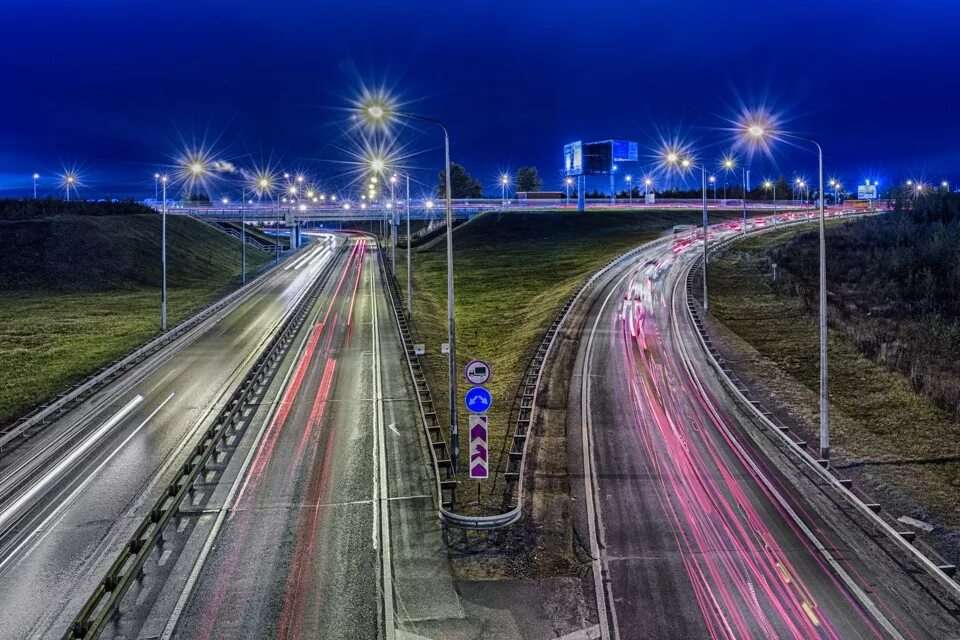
x,y
113,86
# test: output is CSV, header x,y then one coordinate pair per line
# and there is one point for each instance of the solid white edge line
x,y
604,592
59,512
39,487
381,492
224,511
851,585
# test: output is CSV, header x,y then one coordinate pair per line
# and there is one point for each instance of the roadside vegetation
x,y
894,343
80,286
513,272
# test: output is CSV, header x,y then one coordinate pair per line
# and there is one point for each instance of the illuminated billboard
x,y
573,158
597,158
867,192
624,151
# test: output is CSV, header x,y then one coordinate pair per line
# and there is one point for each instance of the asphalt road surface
x,y
71,496
326,526
697,528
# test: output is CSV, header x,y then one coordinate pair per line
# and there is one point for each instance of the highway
x,y
326,525
71,495
698,527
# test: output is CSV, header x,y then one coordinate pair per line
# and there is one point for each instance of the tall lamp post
x,y
772,185
713,183
156,187
758,131
567,182
381,112
393,222
504,183
406,206
163,257
36,177
629,191
675,159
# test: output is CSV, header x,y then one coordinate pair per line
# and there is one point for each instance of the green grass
x,y
79,292
513,273
876,417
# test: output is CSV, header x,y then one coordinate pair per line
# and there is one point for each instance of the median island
x,y
513,272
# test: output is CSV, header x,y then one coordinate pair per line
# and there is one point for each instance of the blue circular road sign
x,y
478,400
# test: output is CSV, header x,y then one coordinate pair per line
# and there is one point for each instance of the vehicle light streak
x,y
264,453
294,601
38,488
741,578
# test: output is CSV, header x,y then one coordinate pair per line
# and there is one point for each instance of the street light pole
x,y
703,183
629,191
409,264
744,200
36,177
243,241
451,315
377,112
163,259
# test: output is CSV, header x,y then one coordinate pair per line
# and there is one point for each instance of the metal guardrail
x,y
938,568
63,403
232,419
428,413
524,405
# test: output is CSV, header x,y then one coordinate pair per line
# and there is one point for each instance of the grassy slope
x,y
80,291
875,415
513,273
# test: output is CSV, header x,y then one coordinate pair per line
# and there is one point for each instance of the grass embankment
x,y
80,286
513,273
881,426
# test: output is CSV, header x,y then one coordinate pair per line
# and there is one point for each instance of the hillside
x,y
80,286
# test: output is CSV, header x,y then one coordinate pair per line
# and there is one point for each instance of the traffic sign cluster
x,y
478,401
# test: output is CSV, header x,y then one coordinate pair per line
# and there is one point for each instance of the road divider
x,y
231,420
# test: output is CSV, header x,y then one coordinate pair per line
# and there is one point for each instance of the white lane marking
x,y
296,264
231,495
380,491
39,487
851,585
393,428
604,590
48,524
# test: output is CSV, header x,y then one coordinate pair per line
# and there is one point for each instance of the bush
x,y
892,288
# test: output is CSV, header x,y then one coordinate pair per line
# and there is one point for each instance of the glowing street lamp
x,y
156,187
504,183
713,183
770,185
757,132
69,182
567,183
378,110
36,177
629,180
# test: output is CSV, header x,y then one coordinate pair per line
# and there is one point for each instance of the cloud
x,y
222,166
